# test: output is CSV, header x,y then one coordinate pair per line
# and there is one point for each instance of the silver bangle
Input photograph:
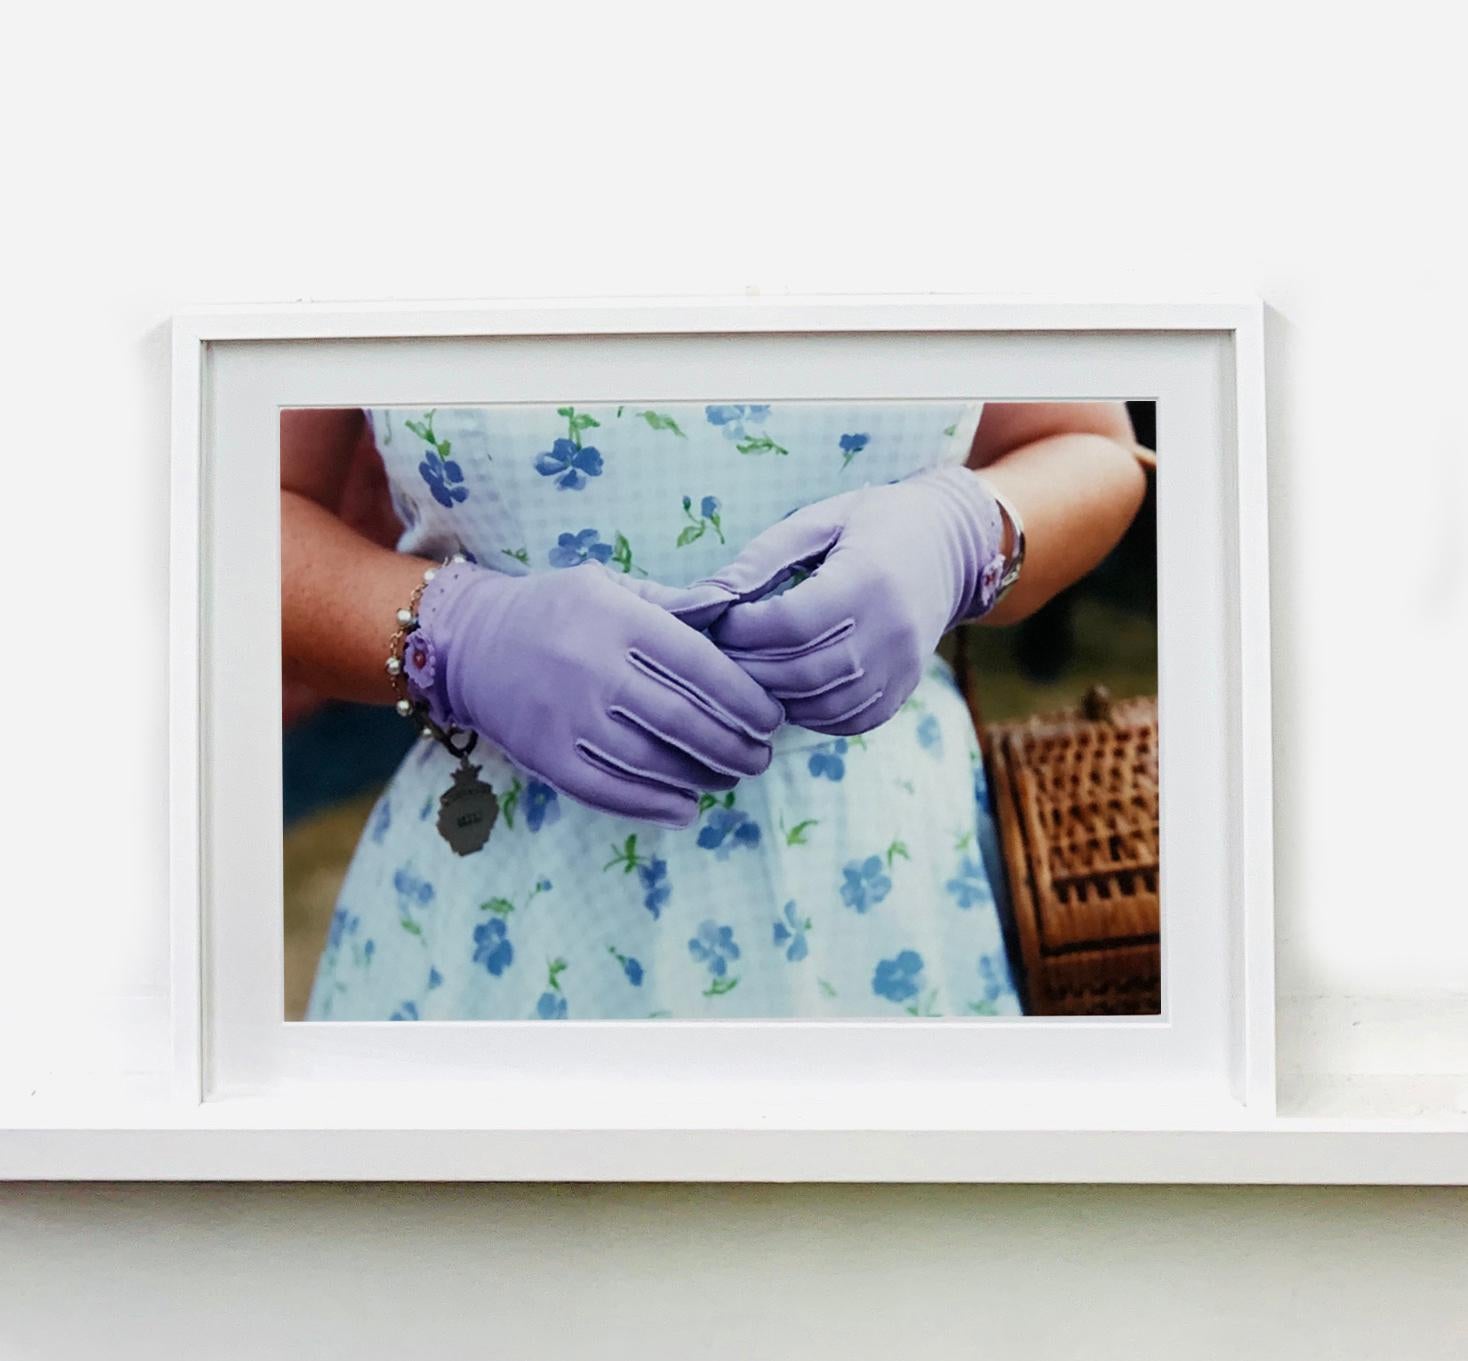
x,y
1014,560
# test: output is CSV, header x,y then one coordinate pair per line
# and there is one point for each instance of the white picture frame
x,y
1187,1096
249,367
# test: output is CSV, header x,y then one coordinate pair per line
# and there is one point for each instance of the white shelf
x,y
1372,1090
1284,1150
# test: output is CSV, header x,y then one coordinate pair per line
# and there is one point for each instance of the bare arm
x,y
1069,469
339,590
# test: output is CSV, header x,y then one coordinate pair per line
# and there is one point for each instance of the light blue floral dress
x,y
850,879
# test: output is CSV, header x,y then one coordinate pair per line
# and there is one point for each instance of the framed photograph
x,y
826,718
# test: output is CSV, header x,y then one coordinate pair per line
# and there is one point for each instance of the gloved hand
x,y
891,569
588,686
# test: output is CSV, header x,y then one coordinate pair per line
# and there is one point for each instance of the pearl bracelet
x,y
396,666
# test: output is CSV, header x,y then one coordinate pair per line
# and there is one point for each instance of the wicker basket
x,y
1075,798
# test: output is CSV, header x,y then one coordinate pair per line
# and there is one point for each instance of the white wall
x,y
166,155
821,1274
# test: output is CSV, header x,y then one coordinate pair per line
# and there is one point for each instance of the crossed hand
x,y
633,697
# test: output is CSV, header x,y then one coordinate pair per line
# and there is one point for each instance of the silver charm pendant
x,y
467,810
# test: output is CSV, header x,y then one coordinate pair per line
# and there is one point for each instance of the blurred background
x,y
338,757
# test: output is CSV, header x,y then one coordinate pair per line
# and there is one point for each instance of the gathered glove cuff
x,y
973,526
426,656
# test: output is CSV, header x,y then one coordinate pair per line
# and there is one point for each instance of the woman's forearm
x,y
1076,494
339,594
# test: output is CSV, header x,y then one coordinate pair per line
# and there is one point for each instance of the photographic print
x,y
724,710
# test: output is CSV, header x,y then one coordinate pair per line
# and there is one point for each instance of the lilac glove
x,y
891,567
593,689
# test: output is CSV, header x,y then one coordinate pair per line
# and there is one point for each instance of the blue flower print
x,y
569,465
411,890
899,979
444,476
733,419
970,885
445,480
700,524
435,979
851,446
737,421
407,1012
572,550
551,1005
714,947
829,762
866,884
542,807
726,829
656,887
381,821
791,933
930,734
343,924
631,967
569,461
492,946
